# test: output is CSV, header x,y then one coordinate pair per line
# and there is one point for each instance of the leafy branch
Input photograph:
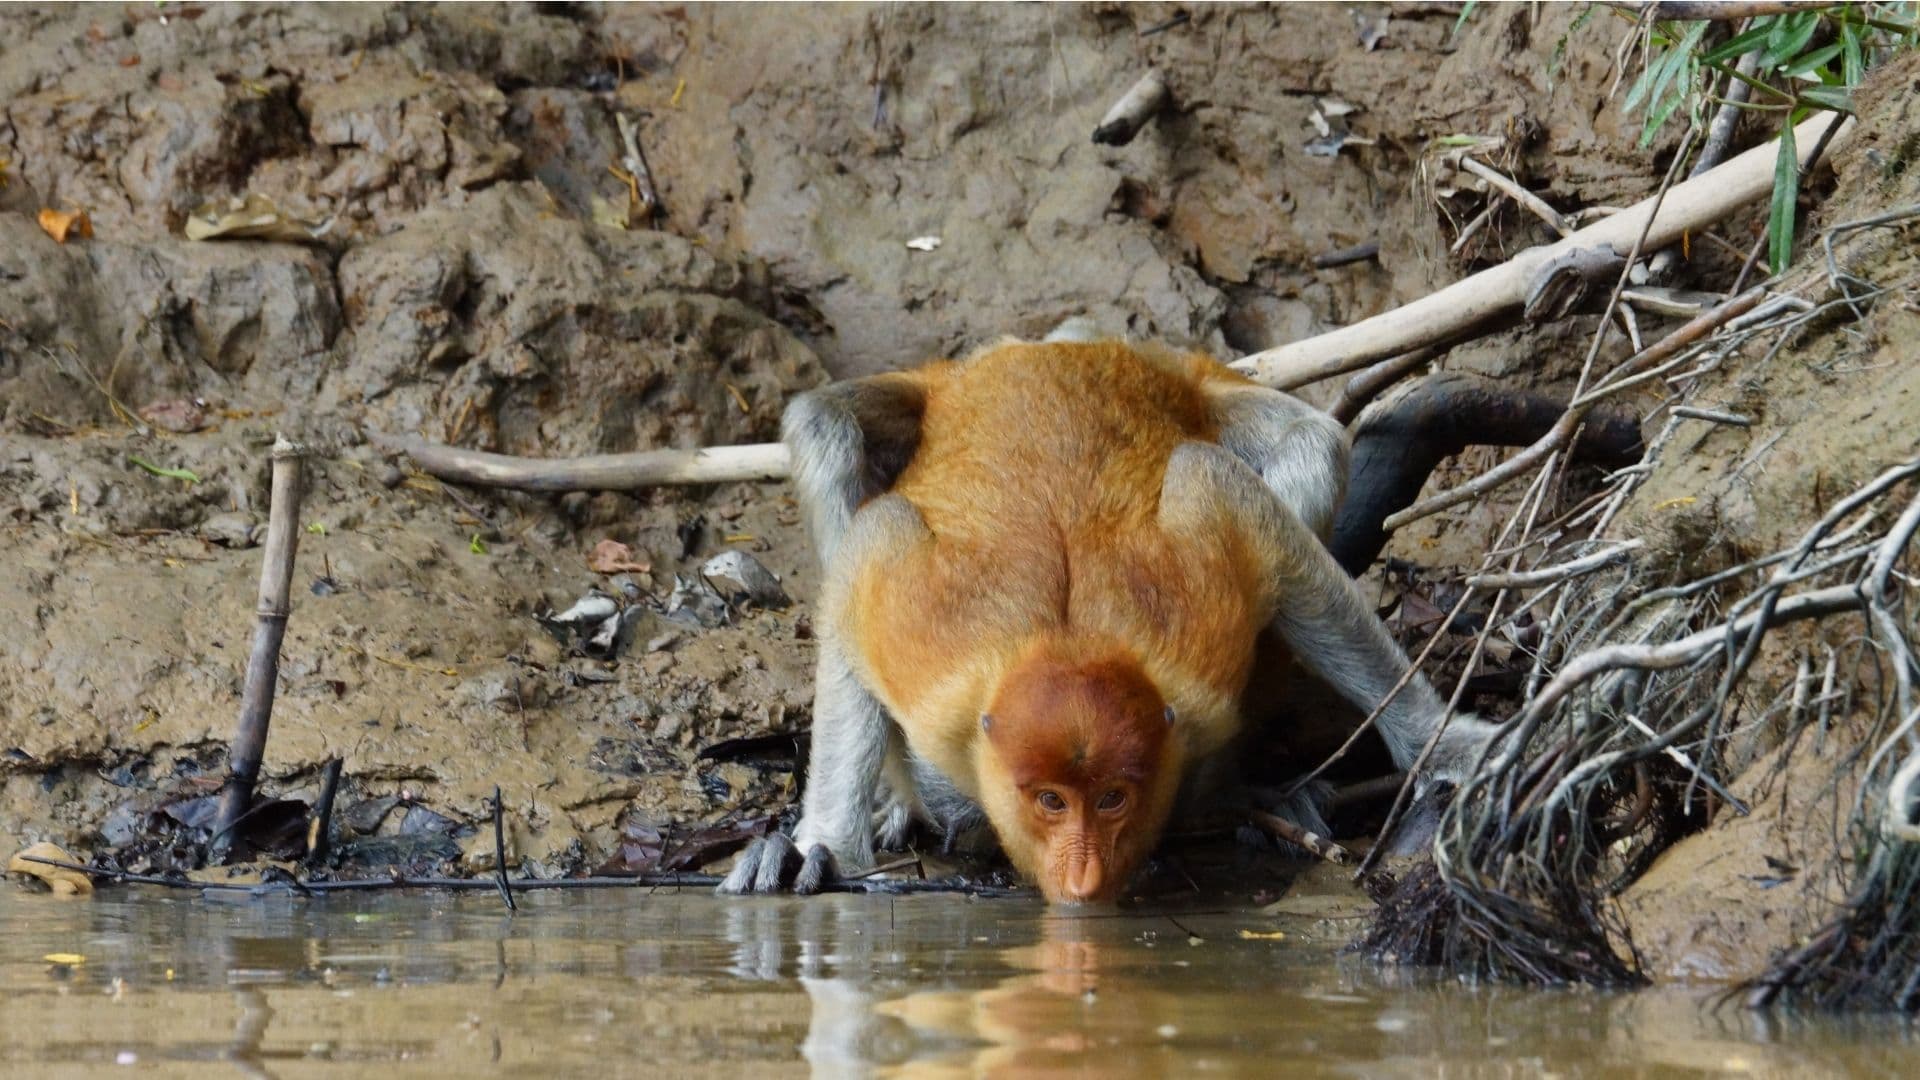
x,y
1803,61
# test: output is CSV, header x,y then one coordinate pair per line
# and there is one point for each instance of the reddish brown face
x,y
1087,839
1089,768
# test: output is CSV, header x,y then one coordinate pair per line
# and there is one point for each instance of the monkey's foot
x,y
763,868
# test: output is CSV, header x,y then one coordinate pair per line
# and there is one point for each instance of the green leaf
x,y
1832,98
1466,12
474,545
1786,193
1670,64
1854,65
1789,36
171,474
1804,64
1741,44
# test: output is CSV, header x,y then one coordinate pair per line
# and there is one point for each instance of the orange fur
x,y
1051,594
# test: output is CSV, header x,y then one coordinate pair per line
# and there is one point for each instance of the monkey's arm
x,y
1318,611
849,441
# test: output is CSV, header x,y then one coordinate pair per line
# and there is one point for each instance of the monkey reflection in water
x,y
1050,571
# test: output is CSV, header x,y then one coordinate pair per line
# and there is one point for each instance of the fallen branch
x,y
263,663
599,472
1455,311
1398,443
1327,260
1547,575
1570,422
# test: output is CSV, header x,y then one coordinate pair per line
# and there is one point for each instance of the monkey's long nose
x,y
1085,877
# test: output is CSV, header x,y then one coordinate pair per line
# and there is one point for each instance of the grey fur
x,y
1324,620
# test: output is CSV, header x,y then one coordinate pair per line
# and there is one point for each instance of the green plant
x,y
1805,60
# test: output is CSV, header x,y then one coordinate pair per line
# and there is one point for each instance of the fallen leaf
x,y
61,224
1263,935
252,217
180,416
130,60
613,557
171,474
62,881
68,958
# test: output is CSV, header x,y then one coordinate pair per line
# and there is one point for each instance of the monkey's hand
x,y
1459,750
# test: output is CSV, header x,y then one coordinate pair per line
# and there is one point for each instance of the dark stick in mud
x,y
1327,260
263,663
320,824
896,887
500,851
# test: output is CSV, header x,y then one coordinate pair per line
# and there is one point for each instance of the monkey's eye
x,y
1113,800
1051,802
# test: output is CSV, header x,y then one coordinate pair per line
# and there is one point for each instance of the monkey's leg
x,y
1299,452
854,739
1319,612
849,441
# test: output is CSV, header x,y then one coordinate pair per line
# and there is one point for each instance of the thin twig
x,y
1303,838
1513,190
500,851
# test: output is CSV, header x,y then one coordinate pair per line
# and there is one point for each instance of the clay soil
x,y
473,284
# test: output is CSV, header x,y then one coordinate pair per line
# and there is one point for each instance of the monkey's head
x,y
1079,768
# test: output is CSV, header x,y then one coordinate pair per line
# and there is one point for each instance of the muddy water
x,y
619,983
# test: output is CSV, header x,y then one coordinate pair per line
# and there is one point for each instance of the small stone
x,y
663,641
233,529
391,477
739,576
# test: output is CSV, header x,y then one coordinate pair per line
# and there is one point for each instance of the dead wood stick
x,y
1131,113
1714,150
320,823
1457,310
500,851
263,663
600,472
1305,839
1365,791
1367,385
1511,188
1327,260
1569,423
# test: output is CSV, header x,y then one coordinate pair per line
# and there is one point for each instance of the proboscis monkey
x,y
1049,572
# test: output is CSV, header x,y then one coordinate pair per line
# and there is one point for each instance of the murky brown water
x,y
619,983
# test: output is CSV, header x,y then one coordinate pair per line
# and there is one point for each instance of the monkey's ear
x,y
986,722
1169,714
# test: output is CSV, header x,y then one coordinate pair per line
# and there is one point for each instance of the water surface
x,y
644,983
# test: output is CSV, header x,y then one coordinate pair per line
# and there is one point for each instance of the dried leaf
x,y
614,557
62,881
180,416
62,224
252,217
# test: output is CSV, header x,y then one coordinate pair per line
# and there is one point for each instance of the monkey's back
x,y
1038,475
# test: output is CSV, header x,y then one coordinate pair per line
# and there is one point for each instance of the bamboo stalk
x,y
263,663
